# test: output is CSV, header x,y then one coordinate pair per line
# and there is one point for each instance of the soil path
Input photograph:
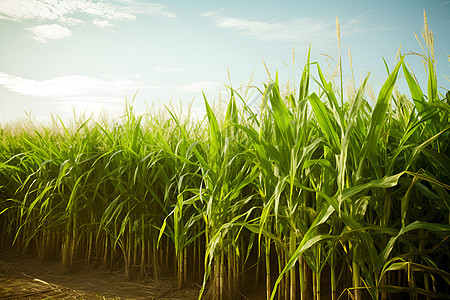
x,y
24,277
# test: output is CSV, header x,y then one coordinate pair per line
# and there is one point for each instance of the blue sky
x,y
90,55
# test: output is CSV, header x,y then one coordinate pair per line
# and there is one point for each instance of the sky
x,y
61,56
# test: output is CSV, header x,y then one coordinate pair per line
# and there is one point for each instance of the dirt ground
x,y
29,278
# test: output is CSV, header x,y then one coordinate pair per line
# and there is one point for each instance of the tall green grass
x,y
314,195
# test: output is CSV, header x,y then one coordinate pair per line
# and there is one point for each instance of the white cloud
x,y
74,12
208,14
299,30
83,93
102,23
73,88
29,9
43,33
356,26
71,21
198,86
302,30
105,10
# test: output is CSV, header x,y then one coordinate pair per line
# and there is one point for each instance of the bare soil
x,y
23,277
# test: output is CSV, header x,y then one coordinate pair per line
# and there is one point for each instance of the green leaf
x,y
378,116
413,226
414,88
324,122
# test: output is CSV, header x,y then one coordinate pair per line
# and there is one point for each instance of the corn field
x,y
311,195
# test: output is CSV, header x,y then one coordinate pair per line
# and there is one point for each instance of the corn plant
x,y
308,187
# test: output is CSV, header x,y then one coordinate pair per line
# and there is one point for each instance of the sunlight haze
x,y
86,55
